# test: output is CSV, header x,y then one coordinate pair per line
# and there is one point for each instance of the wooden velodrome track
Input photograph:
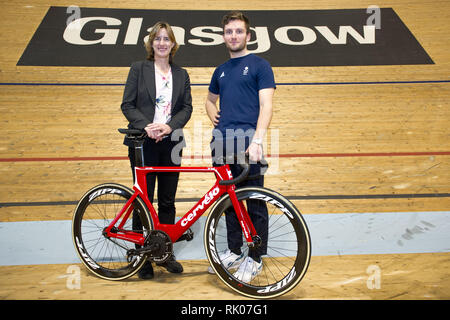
x,y
349,148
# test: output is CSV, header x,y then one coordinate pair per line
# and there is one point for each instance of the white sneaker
x,y
248,270
229,259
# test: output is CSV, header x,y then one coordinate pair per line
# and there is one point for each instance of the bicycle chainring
x,y
160,246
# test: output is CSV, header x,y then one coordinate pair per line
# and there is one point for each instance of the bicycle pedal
x,y
188,236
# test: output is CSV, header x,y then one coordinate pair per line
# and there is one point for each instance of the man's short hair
x,y
236,15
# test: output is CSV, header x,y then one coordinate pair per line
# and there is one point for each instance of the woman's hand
x,y
158,131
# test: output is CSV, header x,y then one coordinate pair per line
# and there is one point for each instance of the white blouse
x,y
163,106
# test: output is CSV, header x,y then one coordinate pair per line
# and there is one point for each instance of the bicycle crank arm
x,y
144,250
188,236
158,247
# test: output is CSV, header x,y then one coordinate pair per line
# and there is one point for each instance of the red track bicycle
x,y
111,247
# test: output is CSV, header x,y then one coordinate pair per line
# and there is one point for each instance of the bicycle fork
x,y
250,234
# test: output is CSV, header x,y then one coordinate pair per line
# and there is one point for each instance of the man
x,y
245,85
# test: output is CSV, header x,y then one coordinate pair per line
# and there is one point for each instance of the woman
x,y
157,98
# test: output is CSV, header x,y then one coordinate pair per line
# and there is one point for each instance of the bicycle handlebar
x,y
241,177
244,174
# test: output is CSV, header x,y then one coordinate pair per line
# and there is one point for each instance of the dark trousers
x,y
257,209
159,155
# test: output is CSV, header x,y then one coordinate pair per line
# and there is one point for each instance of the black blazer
x,y
138,103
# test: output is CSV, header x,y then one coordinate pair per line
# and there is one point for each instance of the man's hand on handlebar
x,y
255,152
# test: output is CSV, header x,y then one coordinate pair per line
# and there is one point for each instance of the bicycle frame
x,y
174,231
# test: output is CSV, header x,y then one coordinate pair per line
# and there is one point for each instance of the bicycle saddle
x,y
133,134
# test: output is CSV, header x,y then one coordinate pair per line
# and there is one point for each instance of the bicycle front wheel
x,y
107,257
284,246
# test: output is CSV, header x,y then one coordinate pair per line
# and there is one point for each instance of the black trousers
x,y
257,209
159,154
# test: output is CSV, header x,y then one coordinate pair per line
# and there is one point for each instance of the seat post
x,y
137,137
138,152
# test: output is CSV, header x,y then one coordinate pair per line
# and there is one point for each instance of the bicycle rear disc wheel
x,y
285,248
105,257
